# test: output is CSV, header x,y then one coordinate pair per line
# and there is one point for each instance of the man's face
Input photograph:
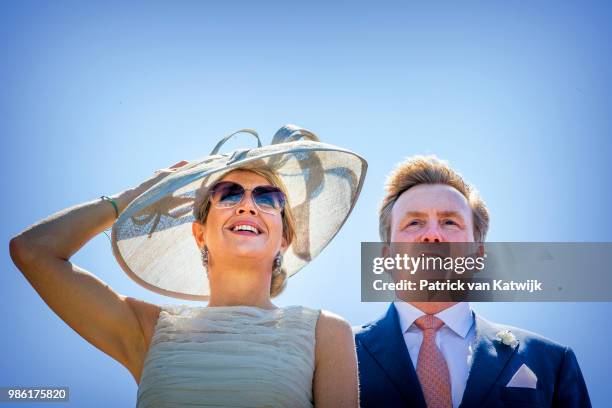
x,y
432,213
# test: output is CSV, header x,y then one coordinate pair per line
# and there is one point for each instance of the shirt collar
x,y
459,318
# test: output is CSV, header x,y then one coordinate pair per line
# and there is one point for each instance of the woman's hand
x,y
161,174
125,198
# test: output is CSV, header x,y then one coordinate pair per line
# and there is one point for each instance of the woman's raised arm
x,y
115,324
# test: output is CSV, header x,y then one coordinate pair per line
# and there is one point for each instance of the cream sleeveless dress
x,y
230,356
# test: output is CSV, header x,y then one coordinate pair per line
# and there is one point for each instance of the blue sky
x,y
95,97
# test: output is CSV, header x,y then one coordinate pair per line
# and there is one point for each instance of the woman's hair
x,y
202,207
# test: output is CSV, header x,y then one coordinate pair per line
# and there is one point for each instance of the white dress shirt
x,y
454,340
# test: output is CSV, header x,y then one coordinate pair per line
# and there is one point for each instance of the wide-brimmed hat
x,y
152,238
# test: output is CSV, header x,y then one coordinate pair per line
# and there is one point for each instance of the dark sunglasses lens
x,y
227,193
269,198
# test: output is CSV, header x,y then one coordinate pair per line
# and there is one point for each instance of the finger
x,y
179,164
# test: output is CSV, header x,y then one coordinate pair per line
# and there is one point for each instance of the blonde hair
x,y
429,170
202,207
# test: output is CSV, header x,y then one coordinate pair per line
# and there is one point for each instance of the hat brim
x,y
152,238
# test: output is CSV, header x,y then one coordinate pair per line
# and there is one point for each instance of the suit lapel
x,y
489,360
385,342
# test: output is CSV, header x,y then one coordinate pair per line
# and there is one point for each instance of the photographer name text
x,y
530,285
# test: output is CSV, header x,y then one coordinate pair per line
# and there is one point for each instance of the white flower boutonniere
x,y
508,338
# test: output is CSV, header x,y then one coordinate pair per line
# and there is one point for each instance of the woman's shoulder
x,y
331,324
333,337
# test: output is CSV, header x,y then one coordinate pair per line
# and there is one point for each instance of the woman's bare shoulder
x,y
332,330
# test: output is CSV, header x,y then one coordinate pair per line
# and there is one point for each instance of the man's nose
x,y
247,205
432,234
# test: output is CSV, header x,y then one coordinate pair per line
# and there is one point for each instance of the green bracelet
x,y
110,200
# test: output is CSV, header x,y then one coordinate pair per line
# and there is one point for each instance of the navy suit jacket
x,y
388,378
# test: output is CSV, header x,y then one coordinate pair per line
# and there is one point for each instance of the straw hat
x,y
152,238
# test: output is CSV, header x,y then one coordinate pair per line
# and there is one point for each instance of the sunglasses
x,y
227,194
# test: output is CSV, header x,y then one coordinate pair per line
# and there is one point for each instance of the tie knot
x,y
428,322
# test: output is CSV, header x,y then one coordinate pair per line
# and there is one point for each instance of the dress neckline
x,y
213,309
239,307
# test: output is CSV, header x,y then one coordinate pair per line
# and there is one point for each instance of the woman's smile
x,y
246,227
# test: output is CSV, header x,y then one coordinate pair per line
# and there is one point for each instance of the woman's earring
x,y
278,263
204,253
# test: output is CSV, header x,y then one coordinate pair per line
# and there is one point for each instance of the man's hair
x,y
429,170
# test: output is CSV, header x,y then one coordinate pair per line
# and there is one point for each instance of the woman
x,y
240,350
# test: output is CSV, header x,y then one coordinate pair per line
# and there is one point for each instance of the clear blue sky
x,y
96,96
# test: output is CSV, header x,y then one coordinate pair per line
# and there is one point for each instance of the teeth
x,y
246,228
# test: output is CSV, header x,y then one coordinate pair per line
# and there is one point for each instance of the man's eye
x,y
412,223
450,222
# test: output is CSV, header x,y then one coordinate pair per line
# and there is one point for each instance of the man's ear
x,y
199,232
385,250
481,249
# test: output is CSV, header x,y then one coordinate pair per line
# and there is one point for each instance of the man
x,y
440,354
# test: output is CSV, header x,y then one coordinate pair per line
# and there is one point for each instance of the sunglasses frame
x,y
275,189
